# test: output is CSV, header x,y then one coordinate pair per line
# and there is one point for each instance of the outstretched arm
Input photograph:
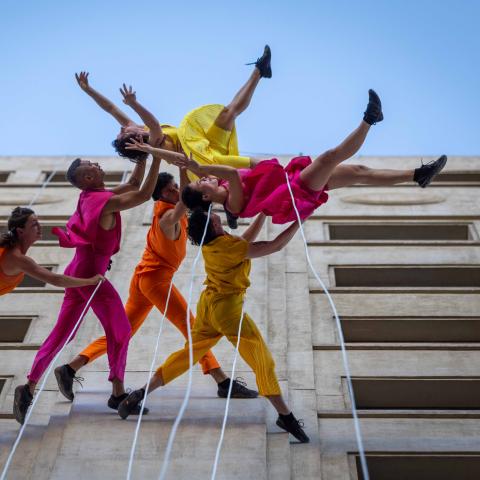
x,y
135,180
130,99
251,233
261,249
170,218
103,102
33,269
129,200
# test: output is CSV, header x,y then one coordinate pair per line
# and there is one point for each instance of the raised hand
x,y
128,94
82,80
138,144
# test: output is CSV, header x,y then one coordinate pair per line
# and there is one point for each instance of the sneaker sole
x,y
59,384
16,411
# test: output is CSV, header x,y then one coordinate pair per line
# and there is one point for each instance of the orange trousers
x,y
146,291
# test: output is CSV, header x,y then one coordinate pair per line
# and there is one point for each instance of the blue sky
x,y
421,56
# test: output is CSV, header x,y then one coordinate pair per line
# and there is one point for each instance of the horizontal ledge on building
x,y
399,290
395,243
418,218
19,346
402,346
407,414
7,416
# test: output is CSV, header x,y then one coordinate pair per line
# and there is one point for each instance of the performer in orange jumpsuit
x,y
164,252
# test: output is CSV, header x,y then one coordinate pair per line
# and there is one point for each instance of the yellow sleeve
x,y
235,161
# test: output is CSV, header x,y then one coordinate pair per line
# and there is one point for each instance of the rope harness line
x,y
356,421
186,397
137,429
224,424
42,386
42,188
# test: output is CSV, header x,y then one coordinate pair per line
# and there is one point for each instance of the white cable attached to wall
x,y
186,398
358,434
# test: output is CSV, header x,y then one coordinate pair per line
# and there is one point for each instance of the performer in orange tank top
x,y
163,255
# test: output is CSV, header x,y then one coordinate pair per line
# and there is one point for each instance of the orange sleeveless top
x,y
8,282
161,253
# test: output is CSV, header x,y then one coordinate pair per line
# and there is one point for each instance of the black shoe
x,y
263,63
65,376
131,403
232,220
290,424
426,173
373,114
239,389
114,402
21,401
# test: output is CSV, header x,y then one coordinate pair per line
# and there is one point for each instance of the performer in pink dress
x,y
94,231
263,188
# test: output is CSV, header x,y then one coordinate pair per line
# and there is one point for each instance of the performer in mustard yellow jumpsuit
x,y
219,310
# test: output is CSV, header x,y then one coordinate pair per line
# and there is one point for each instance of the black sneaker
x,y
263,63
131,403
373,114
232,220
426,173
65,379
239,389
21,401
290,424
114,402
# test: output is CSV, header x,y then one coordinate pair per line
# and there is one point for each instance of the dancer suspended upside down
x,y
207,133
246,192
94,231
23,231
149,286
227,264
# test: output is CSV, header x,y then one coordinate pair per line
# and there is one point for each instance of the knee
x,y
328,158
360,172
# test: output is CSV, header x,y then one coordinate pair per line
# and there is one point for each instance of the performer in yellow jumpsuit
x,y
227,264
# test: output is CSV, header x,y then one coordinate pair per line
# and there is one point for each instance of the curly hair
x,y
17,219
164,178
193,198
196,227
119,144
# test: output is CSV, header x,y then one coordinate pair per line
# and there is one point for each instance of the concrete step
x,y
96,442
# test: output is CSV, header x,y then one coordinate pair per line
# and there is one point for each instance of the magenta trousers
x,y
109,309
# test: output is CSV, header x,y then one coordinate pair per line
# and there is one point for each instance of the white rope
x,y
222,434
42,386
137,430
356,421
42,188
186,398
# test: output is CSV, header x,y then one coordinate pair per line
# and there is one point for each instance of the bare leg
x,y
155,382
226,119
78,362
117,387
218,374
347,175
316,175
279,404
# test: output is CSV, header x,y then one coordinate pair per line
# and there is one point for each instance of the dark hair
x,y
135,156
164,178
196,227
71,174
17,219
193,198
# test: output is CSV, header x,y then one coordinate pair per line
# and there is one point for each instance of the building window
x,y
417,393
407,276
29,282
13,329
421,466
4,176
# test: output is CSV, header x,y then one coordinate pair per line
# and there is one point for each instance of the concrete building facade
x,y
403,267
